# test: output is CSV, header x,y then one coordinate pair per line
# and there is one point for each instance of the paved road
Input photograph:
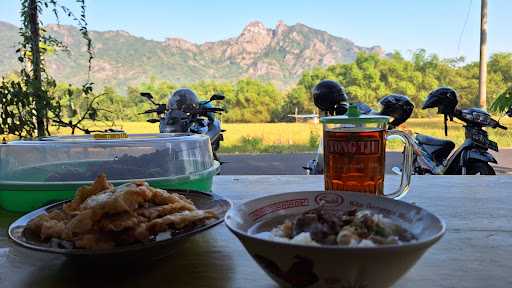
x,y
291,164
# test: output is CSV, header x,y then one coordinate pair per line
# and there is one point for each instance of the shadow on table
x,y
197,263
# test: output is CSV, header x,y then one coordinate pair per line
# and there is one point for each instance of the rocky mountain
x,y
278,54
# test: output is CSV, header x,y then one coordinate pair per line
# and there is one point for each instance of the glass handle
x,y
407,167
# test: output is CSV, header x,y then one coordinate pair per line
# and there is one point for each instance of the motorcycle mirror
x,y
146,95
115,130
509,111
217,97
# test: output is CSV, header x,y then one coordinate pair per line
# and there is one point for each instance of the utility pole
x,y
483,56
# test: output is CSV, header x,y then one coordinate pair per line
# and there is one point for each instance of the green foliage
x,y
314,139
252,143
367,79
371,77
32,101
503,102
17,109
252,101
298,100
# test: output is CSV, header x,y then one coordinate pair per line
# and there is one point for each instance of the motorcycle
x,y
433,155
184,113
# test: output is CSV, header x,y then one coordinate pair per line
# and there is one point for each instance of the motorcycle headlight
x,y
481,118
468,116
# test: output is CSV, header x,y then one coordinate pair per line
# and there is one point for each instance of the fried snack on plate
x,y
100,185
45,221
159,211
103,216
119,222
176,221
126,197
162,197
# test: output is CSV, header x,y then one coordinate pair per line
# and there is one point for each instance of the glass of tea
x,y
355,153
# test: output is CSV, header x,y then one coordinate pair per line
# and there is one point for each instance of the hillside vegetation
x,y
367,79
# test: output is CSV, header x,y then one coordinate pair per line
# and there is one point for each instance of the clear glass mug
x,y
355,153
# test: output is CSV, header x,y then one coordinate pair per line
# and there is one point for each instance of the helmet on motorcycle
x,y
444,98
397,106
183,98
330,96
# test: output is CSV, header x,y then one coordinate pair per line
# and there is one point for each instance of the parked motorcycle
x,y
185,113
433,155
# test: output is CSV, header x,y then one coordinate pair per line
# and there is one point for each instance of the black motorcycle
x,y
434,156
184,113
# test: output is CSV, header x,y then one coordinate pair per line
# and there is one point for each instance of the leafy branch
x,y
28,107
503,102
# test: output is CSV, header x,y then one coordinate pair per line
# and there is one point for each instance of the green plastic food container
x,y
36,173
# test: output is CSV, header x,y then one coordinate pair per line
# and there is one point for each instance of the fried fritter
x,y
102,216
162,197
42,223
53,229
120,222
175,221
100,185
126,197
83,222
159,211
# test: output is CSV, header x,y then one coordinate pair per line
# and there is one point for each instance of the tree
x,y
371,77
501,63
503,102
28,106
298,99
252,101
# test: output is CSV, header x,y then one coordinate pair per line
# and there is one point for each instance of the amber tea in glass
x,y
355,151
355,160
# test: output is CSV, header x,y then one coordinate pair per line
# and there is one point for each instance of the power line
x,y
464,26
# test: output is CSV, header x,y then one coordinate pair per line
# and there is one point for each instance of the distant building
x,y
309,118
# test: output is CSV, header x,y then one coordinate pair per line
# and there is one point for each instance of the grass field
x,y
301,137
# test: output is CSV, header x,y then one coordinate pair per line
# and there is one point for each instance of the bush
x,y
251,143
314,139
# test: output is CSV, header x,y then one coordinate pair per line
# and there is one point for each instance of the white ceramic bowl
x,y
294,265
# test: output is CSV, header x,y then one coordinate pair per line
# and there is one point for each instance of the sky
x,y
403,25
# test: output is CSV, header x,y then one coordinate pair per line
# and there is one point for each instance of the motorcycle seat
x,y
428,140
439,148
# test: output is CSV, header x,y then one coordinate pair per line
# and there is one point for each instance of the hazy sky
x,y
435,25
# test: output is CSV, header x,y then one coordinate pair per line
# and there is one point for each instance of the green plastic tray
x,y
22,196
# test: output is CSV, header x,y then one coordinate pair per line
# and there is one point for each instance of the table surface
x,y
475,252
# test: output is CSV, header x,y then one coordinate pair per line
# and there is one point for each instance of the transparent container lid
x,y
82,158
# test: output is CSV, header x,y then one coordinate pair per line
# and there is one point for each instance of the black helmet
x,y
397,106
330,96
183,98
444,98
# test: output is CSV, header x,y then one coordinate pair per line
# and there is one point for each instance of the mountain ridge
x,y
279,54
